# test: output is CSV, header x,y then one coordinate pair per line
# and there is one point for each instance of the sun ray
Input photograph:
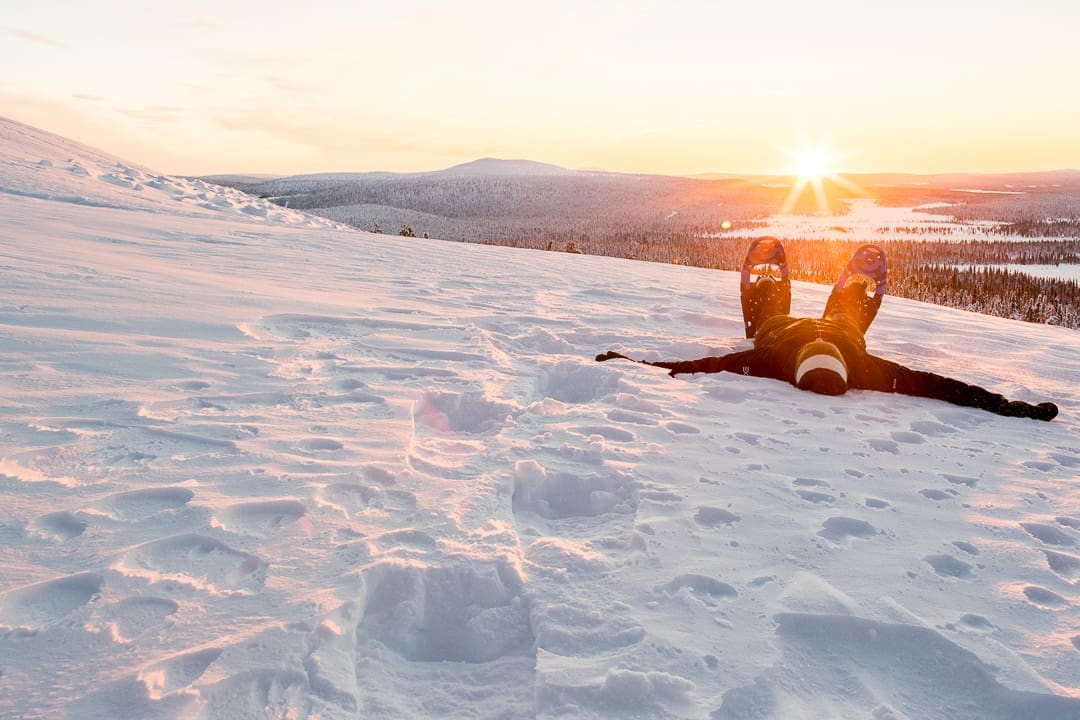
x,y
793,195
813,167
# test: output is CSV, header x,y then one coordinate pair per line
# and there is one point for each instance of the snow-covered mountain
x,y
488,167
258,465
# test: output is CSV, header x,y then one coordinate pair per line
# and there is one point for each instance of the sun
x,y
813,170
812,164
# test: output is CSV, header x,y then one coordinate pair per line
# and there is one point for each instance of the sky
x,y
657,86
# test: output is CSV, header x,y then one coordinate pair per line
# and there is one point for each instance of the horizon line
x,y
703,174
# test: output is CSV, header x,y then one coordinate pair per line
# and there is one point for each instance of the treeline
x,y
993,291
943,273
1040,228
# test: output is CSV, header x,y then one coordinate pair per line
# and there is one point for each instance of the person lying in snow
x,y
828,355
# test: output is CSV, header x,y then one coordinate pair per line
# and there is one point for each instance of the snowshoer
x,y
828,355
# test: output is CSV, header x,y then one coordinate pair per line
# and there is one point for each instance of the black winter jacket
x,y
779,339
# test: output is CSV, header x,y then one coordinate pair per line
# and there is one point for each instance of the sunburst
x,y
813,164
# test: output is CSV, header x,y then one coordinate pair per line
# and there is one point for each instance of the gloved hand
x,y
1045,411
1016,408
611,355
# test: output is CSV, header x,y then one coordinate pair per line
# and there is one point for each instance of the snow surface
x,y
254,465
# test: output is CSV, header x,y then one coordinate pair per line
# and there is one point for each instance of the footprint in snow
x,y
839,529
1044,598
707,588
191,385
607,432
576,382
889,446
713,516
563,495
931,428
351,497
1049,534
197,560
467,413
471,613
814,496
177,672
262,517
59,526
1066,459
1066,566
966,547
948,566
134,615
141,504
318,445
978,623
961,480
46,602
911,438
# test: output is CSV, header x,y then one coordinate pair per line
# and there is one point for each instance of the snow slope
x,y
254,465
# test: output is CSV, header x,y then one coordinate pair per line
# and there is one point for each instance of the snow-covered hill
x,y
488,167
255,465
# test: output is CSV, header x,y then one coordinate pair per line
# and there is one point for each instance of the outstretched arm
x,y
887,376
732,362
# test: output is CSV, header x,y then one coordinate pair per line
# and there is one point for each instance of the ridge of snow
x,y
41,165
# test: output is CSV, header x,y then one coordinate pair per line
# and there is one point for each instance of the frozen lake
x,y
869,222
1060,272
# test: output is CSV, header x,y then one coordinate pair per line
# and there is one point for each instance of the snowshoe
x,y
867,268
765,285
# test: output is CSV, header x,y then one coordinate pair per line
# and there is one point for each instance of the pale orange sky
x,y
627,85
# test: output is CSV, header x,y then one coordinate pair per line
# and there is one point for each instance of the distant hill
x,y
494,167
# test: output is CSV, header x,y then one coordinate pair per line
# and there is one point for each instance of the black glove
x,y
1016,408
611,355
1045,411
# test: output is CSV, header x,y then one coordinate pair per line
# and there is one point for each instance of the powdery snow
x,y
255,465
